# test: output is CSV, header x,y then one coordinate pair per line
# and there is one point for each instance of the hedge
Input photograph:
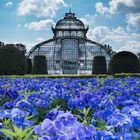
x,y
40,65
124,62
99,65
12,61
29,66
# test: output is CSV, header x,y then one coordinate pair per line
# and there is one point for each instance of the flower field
x,y
69,109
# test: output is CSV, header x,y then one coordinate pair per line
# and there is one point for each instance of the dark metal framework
x,y
69,51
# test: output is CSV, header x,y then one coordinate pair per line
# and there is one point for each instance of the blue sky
x,y
114,22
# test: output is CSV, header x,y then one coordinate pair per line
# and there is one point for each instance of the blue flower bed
x,y
69,109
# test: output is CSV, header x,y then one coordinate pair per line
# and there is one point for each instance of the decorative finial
x,y
70,10
70,5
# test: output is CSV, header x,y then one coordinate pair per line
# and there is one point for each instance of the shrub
x,y
29,66
99,65
40,65
124,62
12,61
124,75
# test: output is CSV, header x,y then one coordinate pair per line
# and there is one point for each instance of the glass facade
x,y
70,51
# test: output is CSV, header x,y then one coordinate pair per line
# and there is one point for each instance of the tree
x,y
21,47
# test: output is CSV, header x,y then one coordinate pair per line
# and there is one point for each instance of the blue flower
x,y
38,130
4,114
119,119
88,131
26,106
136,123
106,114
44,138
64,126
129,102
105,135
18,117
12,93
133,111
127,136
66,118
9,105
52,114
80,102
1,125
17,113
71,104
47,127
32,98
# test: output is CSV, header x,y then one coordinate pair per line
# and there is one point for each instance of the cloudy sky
x,y
113,22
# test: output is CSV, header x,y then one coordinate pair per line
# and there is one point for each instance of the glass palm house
x,y
69,51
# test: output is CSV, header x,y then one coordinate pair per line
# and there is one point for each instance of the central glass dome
x,y
70,26
70,22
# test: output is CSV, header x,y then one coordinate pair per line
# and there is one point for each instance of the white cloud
x,y
104,33
118,34
135,35
88,19
40,7
133,46
113,6
40,39
118,38
100,8
98,33
84,20
133,19
130,8
9,4
40,25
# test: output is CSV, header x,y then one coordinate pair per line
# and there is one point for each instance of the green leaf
x,y
86,111
8,132
25,132
28,135
85,122
6,123
29,117
79,117
16,129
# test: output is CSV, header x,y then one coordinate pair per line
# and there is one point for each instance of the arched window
x,y
70,50
73,33
66,33
80,34
60,34
70,56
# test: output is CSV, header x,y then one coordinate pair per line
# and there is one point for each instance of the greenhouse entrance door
x,y
69,67
70,56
